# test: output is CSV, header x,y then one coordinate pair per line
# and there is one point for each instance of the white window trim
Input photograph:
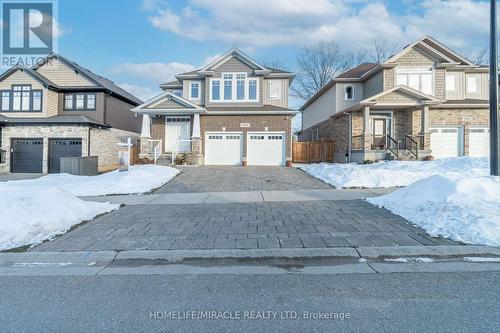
x,y
345,92
234,89
467,89
191,92
448,87
269,87
419,71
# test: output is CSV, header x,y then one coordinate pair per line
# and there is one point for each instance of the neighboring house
x,y
426,100
233,111
58,109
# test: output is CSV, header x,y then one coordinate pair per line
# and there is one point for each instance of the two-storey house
x,y
61,109
426,100
233,111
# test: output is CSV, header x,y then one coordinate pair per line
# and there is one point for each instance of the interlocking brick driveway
x,y
238,179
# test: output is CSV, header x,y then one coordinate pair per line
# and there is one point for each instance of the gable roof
x,y
183,104
97,79
40,78
401,88
171,84
358,71
233,53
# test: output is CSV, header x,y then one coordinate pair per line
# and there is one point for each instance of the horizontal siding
x,y
185,91
20,77
374,85
97,115
320,110
62,75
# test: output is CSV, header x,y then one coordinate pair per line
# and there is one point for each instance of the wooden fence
x,y
312,152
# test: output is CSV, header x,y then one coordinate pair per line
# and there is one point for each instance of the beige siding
x,y
283,100
459,92
439,83
232,65
20,77
374,85
185,91
397,97
482,86
389,78
166,104
52,102
415,57
320,110
62,75
342,103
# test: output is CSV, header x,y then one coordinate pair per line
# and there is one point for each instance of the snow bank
x,y
461,207
139,179
394,173
31,214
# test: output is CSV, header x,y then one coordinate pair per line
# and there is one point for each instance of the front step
x,y
165,160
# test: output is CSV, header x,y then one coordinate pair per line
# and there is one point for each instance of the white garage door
x,y
223,148
479,142
264,148
446,142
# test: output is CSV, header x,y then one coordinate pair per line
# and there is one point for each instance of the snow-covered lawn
x,y
394,173
38,209
458,206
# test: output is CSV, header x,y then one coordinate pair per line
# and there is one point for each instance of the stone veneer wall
x,y
104,144
232,123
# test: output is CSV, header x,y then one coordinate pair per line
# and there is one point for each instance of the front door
x,y
379,133
178,134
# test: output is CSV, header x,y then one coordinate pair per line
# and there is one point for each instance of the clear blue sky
x,y
141,43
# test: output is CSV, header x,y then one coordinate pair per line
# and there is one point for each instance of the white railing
x,y
156,149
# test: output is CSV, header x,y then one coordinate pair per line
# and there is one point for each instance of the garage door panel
x,y
479,142
446,142
27,155
62,148
265,148
223,148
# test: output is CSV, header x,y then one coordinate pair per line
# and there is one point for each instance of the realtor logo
x,y
28,30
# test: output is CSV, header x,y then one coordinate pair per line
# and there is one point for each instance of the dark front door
x,y
62,148
27,155
379,133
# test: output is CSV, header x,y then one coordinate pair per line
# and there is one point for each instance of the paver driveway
x,y
310,224
239,179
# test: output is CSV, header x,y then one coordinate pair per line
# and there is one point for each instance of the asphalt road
x,y
403,302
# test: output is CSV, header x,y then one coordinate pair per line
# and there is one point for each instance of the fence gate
x,y
312,152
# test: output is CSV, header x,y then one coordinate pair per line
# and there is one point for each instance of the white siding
x,y
320,110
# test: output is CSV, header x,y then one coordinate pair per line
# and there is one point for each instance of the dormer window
x,y
349,93
233,87
194,92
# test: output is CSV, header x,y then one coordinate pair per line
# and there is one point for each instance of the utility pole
x,y
494,114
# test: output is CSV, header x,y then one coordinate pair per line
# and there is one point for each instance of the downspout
x,y
88,141
350,136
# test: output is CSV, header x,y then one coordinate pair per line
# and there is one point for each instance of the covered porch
x,y
170,127
391,125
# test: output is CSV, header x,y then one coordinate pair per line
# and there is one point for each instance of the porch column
x,y
367,131
145,150
196,143
424,127
146,126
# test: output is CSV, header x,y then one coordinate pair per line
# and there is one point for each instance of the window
x,y
240,86
471,84
416,78
37,101
275,137
256,137
5,100
228,87
194,90
349,93
274,89
215,90
450,82
252,90
80,102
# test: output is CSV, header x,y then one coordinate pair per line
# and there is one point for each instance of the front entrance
x,y
178,134
27,155
62,148
379,133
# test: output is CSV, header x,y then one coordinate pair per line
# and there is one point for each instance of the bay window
x,y
80,102
416,78
233,87
21,98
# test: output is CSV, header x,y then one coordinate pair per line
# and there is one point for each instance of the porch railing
x,y
156,145
412,145
392,145
358,142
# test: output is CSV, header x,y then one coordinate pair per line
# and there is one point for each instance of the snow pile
x,y
394,173
31,214
461,207
139,179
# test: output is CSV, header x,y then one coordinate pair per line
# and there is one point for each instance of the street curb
x,y
432,251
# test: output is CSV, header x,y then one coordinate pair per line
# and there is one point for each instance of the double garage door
x,y
449,141
27,154
263,148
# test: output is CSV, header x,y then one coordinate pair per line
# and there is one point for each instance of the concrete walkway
x,y
240,197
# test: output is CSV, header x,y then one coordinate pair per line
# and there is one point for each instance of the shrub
x,y
368,161
428,158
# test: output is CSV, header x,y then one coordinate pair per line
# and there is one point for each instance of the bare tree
x,y
275,64
479,57
317,65
382,50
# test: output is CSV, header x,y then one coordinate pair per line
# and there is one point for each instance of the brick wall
x,y
158,129
273,123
